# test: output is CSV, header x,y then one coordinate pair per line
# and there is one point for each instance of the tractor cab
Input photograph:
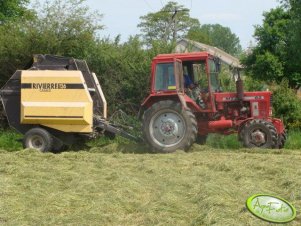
x,y
193,76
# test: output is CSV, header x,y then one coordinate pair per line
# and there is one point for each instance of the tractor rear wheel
x,y
167,126
38,138
259,133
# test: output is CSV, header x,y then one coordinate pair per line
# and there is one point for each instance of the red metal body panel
x,y
260,102
154,97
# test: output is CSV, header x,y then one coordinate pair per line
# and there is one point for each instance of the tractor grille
x,y
271,100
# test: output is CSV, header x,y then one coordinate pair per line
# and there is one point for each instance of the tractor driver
x,y
194,91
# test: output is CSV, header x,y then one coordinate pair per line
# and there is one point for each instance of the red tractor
x,y
175,115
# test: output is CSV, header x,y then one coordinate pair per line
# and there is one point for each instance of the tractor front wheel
x,y
38,138
259,133
281,139
167,126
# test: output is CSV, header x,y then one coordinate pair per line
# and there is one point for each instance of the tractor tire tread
x,y
273,142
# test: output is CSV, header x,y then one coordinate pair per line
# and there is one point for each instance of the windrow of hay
x,y
116,185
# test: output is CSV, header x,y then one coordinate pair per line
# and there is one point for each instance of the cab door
x,y
168,77
178,68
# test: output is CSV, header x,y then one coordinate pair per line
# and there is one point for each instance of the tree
x,y
169,24
198,35
294,41
64,28
61,27
218,36
276,56
11,9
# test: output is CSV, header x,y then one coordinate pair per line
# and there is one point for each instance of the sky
x,y
122,16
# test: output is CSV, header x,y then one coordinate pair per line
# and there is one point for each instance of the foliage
x,y
65,28
286,105
13,9
293,140
294,42
169,24
9,140
226,79
196,34
251,84
124,70
69,28
223,141
275,56
218,36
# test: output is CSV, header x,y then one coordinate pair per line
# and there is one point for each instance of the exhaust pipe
x,y
239,87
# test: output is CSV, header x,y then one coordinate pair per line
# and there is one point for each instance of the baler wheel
x,y
259,133
38,138
167,126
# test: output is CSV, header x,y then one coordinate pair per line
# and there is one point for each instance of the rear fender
x,y
278,125
152,99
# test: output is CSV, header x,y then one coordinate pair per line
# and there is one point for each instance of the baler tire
x,y
163,129
263,128
38,138
201,139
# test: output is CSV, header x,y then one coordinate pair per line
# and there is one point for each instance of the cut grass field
x,y
123,184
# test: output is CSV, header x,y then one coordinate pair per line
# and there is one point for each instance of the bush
x,y
286,105
251,84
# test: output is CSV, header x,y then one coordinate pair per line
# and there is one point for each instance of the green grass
x,y
223,142
9,140
230,142
293,140
115,182
117,185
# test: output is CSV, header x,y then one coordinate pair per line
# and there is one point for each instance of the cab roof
x,y
184,56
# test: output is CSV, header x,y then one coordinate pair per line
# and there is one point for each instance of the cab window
x,y
165,77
